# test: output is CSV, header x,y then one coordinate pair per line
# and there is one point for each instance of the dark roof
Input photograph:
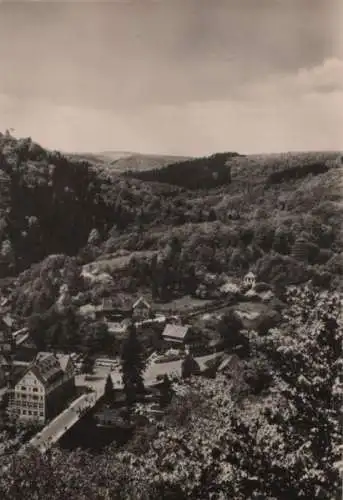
x,y
8,321
46,367
64,360
17,373
176,331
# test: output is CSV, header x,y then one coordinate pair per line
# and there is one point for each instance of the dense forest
x,y
195,173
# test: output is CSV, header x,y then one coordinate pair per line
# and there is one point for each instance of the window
x,y
24,412
35,397
23,388
41,413
35,389
29,412
35,413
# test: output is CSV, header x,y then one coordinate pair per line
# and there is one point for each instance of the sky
x,y
189,77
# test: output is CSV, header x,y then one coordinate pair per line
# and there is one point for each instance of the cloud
x,y
324,78
309,122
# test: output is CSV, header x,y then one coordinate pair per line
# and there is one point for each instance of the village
x,y
51,391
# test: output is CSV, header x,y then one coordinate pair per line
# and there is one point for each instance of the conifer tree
x,y
189,367
166,392
132,365
88,365
109,393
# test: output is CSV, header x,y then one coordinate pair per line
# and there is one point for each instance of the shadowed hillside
x,y
195,173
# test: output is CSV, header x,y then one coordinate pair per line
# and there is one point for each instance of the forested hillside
x,y
74,232
279,216
193,173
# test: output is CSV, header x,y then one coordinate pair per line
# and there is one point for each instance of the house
x,y
229,287
26,349
118,327
141,310
42,389
177,334
7,349
109,311
87,311
249,280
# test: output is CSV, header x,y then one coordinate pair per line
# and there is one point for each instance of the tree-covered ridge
x,y
195,173
268,427
49,203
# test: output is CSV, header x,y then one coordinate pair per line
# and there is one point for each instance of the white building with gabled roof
x,y
141,309
249,280
42,389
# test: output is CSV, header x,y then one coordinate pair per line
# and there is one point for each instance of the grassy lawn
x,y
182,304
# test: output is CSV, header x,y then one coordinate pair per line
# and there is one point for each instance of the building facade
x,y
42,390
249,280
141,310
177,334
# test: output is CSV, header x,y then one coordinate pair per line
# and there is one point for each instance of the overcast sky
x,y
171,76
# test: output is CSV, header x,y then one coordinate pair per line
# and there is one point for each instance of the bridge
x,y
79,407
65,420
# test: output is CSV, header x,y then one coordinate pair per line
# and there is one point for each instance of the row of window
x,y
34,413
27,388
28,404
29,397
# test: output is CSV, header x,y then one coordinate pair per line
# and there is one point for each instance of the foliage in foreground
x,y
218,441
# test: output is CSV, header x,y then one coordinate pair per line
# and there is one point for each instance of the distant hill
x,y
123,161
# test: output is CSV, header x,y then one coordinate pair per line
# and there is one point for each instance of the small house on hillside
x,y
108,310
229,288
87,311
177,334
141,309
118,327
249,280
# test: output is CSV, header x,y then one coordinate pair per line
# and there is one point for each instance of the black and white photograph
x,y
171,249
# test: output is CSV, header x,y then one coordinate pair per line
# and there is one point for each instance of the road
x,y
65,420
153,370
